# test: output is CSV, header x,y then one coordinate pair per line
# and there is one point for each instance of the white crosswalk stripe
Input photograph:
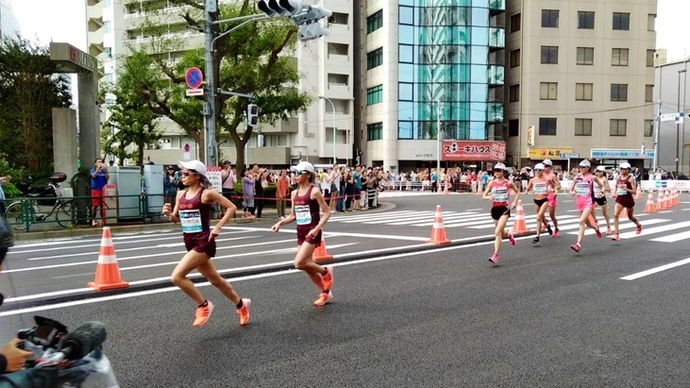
x,y
568,222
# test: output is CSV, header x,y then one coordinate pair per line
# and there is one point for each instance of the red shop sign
x,y
473,150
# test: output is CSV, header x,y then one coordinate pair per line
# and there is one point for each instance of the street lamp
x,y
333,108
438,138
678,145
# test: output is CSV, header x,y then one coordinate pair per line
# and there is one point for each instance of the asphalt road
x,y
545,316
42,270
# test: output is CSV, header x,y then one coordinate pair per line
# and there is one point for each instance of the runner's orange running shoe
x,y
203,314
328,278
638,229
244,311
323,298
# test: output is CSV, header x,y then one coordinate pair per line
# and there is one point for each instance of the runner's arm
x,y
230,208
514,187
174,216
316,194
488,190
529,186
633,185
291,218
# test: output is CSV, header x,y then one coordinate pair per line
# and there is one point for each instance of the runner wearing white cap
x,y
193,211
583,192
306,203
551,195
625,188
600,188
541,185
498,191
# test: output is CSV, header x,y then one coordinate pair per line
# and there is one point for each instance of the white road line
x,y
627,225
672,237
169,289
655,270
665,228
363,235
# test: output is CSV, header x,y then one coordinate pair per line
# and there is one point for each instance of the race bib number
x,y
303,214
500,195
621,189
582,188
540,188
190,221
597,191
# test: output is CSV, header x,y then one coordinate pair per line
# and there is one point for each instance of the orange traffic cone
x,y
674,198
320,253
659,201
438,231
445,188
649,207
667,203
107,270
519,226
638,194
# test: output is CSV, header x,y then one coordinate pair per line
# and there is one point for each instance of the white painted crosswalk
x,y
656,227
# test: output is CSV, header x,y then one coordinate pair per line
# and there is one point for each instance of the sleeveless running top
x,y
195,216
549,176
598,191
622,184
583,186
306,209
500,190
540,186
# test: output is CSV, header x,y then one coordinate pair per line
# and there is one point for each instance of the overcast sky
x,y
64,20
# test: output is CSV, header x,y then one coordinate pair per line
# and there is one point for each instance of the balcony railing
x,y
496,75
497,37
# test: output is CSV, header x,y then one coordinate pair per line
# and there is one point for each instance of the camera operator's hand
x,y
15,357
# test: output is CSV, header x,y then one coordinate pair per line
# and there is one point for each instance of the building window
x,y
585,55
651,22
619,56
549,18
585,20
549,54
583,127
547,126
405,53
374,131
515,58
619,92
339,18
621,21
618,127
375,21
406,130
405,15
648,128
515,22
583,92
405,91
548,91
514,92
513,128
649,93
375,58
650,58
338,79
375,95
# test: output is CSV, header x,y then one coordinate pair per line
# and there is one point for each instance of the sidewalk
x,y
268,215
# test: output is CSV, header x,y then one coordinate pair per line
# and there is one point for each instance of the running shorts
x,y
499,211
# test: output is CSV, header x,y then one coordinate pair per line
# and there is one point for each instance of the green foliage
x,y
10,190
28,92
251,60
132,121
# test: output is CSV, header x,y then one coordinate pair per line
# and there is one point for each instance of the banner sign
x,y
548,153
214,176
603,153
473,150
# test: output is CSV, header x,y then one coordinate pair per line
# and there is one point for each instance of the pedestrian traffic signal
x,y
252,115
305,16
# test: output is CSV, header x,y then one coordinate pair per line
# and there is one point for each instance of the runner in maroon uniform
x,y
306,203
625,188
498,191
193,211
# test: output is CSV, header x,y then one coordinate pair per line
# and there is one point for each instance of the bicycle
x,y
63,209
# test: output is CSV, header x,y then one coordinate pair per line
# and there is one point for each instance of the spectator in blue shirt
x,y
99,178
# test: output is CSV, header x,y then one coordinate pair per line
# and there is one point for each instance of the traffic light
x,y
252,115
274,8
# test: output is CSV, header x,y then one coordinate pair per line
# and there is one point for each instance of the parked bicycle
x,y
20,216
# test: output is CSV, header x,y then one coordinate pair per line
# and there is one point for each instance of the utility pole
x,y
210,16
438,138
657,126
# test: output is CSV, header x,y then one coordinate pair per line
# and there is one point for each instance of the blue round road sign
x,y
194,77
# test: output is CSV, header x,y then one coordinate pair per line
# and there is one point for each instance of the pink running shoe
x,y
555,233
511,239
576,247
494,258
598,232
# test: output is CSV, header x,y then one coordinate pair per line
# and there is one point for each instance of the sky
x,y
64,20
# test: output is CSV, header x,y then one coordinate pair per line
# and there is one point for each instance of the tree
x,y
131,121
29,89
250,60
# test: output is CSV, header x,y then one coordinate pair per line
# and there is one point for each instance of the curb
x,y
199,279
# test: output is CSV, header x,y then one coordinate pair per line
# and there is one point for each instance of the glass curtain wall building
x,y
449,66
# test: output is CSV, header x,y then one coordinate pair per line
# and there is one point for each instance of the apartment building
x,y
430,70
579,81
9,26
320,134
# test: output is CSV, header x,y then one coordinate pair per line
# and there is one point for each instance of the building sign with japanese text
x,y
550,153
473,150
